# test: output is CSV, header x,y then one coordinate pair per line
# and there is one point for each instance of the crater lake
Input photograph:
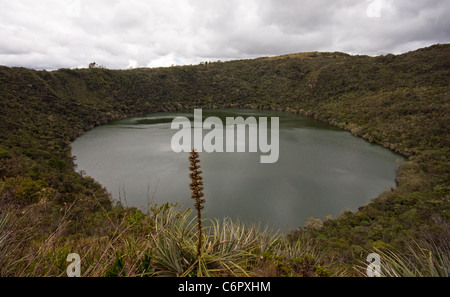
x,y
321,170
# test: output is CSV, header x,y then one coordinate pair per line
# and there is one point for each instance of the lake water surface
x,y
321,170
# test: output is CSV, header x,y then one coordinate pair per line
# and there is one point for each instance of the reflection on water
x,y
321,170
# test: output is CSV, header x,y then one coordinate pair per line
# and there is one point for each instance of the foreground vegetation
x,y
48,210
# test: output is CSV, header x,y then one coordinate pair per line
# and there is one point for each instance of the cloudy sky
x,y
119,34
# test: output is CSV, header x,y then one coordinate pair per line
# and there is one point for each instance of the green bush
x,y
25,190
4,154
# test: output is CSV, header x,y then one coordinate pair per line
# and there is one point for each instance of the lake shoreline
x,y
240,192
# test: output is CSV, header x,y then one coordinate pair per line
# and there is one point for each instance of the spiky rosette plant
x,y
197,193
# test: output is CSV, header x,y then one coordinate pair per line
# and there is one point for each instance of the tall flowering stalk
x,y
197,194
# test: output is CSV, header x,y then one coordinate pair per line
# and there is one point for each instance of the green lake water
x,y
321,170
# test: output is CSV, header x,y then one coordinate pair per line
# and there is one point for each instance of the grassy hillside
x,y
399,101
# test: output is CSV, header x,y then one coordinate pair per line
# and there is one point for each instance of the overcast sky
x,y
119,34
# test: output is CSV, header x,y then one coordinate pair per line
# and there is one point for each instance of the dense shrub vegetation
x,y
48,210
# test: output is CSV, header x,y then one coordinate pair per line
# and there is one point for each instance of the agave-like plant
x,y
4,218
184,247
197,194
228,248
420,260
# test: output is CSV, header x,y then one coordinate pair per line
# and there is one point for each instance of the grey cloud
x,y
117,34
297,17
